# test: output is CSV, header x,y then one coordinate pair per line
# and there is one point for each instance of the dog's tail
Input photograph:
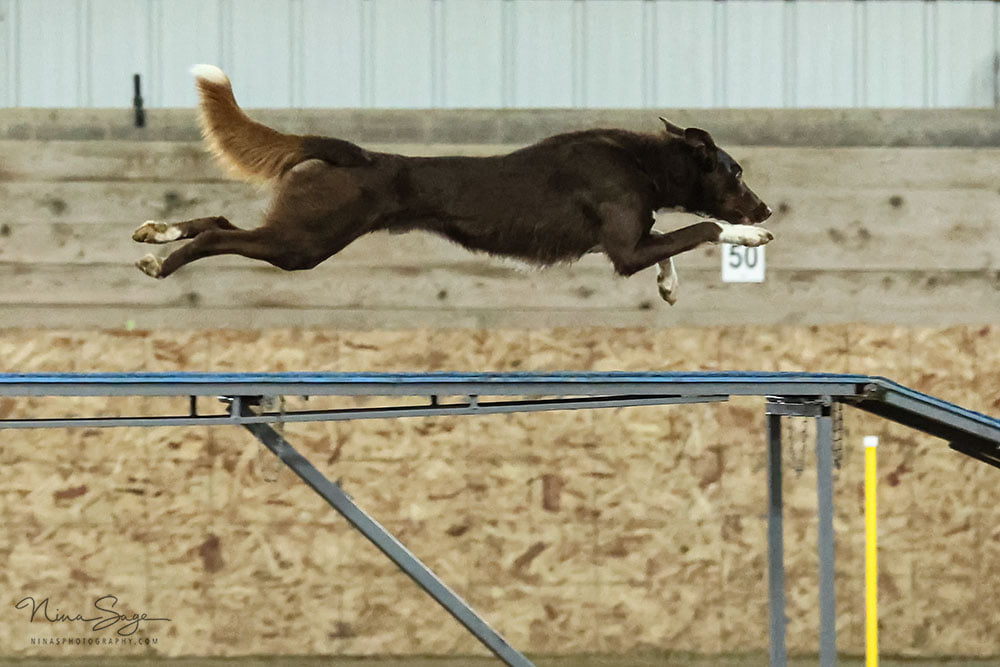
x,y
247,149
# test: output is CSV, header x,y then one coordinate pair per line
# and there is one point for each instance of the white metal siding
x,y
8,80
685,54
965,49
261,56
544,53
193,37
611,54
825,55
329,54
896,55
403,33
489,53
753,49
472,48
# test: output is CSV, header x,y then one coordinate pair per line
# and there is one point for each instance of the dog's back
x,y
538,203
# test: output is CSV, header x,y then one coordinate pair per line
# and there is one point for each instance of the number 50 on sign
x,y
741,264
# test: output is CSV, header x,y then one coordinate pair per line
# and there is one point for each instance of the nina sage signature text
x,y
109,618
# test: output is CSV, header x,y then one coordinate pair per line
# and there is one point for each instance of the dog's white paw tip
x,y
744,235
150,265
145,231
154,231
668,290
669,297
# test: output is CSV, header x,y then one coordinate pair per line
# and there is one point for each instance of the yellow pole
x,y
871,554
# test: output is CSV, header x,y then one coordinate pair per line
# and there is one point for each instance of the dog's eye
x,y
738,174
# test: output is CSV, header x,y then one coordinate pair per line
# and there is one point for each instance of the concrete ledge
x,y
747,127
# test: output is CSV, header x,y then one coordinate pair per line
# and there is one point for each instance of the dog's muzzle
x,y
760,214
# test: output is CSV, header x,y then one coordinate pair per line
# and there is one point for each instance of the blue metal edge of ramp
x,y
437,383
667,377
970,432
967,431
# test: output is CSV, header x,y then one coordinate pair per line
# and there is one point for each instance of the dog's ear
x,y
704,147
671,128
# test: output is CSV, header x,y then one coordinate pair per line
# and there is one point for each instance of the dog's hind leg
x,y
154,231
278,243
255,244
316,211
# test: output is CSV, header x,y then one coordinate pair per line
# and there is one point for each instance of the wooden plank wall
x,y
863,234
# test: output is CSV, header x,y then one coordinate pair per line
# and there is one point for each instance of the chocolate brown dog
x,y
553,201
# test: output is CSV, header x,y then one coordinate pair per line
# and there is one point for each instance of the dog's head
x,y
718,190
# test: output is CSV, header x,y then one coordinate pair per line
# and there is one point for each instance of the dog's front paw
x,y
743,235
153,231
667,281
150,265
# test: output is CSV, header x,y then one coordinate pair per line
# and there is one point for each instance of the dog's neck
x,y
673,175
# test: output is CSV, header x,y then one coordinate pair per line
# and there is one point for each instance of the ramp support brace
x,y
820,409
381,538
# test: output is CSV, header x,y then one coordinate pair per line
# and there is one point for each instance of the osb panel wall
x,y
587,531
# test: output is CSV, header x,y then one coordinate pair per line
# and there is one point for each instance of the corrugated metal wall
x,y
505,53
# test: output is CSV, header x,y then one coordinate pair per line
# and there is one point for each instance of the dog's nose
x,y
763,212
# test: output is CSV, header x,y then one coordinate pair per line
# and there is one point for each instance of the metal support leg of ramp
x,y
820,409
824,493
775,544
387,544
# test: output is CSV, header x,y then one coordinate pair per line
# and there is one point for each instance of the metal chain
x,y
837,412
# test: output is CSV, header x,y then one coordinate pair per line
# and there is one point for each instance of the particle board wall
x,y
881,234
585,531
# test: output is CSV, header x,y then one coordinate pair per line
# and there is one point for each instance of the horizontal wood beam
x,y
110,297
776,127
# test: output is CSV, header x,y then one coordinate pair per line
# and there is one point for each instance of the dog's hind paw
x,y
153,231
150,265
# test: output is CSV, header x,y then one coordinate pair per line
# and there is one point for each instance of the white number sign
x,y
741,264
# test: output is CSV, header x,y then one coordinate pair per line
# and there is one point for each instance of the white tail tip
x,y
210,73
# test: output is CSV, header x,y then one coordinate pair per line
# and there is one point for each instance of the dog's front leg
x,y
666,273
627,241
666,280
632,248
